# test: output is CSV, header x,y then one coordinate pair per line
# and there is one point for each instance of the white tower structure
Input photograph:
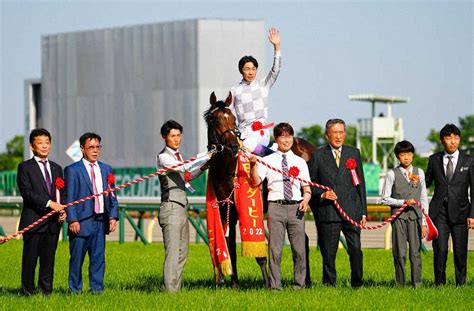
x,y
382,131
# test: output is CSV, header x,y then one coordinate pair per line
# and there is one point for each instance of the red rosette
x,y
294,171
110,182
110,179
59,183
187,176
257,125
351,165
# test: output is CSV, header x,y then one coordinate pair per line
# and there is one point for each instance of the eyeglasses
x,y
94,147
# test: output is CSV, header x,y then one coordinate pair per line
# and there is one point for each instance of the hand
x,y
303,206
410,202
363,221
112,225
329,195
274,38
62,216
424,231
252,160
3,239
56,206
205,166
470,223
75,227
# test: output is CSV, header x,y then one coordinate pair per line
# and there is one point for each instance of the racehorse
x,y
223,136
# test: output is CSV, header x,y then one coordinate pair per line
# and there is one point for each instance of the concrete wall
x,y
123,83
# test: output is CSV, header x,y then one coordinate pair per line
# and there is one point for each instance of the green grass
x,y
134,276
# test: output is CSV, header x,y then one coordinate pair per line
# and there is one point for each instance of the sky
x,y
330,50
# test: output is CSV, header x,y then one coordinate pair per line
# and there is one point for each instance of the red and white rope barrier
x,y
109,190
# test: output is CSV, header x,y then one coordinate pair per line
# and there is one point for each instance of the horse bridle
x,y
218,144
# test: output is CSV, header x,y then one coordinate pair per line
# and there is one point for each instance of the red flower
x,y
110,179
187,176
59,182
257,125
294,171
351,164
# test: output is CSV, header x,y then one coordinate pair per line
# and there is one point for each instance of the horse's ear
x,y
213,99
228,100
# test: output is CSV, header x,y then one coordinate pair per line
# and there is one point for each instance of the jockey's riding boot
x,y
262,150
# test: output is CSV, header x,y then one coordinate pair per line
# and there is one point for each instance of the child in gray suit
x,y
404,184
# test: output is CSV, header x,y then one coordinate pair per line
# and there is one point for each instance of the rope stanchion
x,y
336,203
109,190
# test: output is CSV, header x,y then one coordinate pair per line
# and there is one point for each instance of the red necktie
x,y
94,187
178,157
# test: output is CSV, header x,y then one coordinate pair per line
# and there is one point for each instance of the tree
x,y
466,126
351,136
14,156
433,137
313,134
467,133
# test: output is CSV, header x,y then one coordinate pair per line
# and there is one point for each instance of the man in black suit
x,y
36,183
452,172
328,168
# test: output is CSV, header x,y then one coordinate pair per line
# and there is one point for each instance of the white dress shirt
x,y
98,181
388,185
166,160
275,179
454,159
48,167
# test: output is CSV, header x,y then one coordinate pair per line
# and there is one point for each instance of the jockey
x,y
250,99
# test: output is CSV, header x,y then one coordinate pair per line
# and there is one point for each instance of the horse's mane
x,y
220,105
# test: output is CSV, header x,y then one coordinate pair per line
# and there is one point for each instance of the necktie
x,y
287,191
449,168
47,178
94,187
178,156
338,156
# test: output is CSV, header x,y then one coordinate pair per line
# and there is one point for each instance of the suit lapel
x,y
441,165
330,161
38,174
85,175
458,165
103,172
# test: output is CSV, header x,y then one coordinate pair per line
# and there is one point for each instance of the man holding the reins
x,y
250,99
173,216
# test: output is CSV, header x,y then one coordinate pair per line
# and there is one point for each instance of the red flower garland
x,y
351,165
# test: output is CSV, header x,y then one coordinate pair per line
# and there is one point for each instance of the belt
x,y
286,202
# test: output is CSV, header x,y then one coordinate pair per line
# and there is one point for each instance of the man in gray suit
x,y
174,201
328,168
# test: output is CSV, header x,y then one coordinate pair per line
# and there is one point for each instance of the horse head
x,y
222,132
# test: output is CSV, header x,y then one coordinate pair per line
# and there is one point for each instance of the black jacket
x,y
323,170
35,195
455,192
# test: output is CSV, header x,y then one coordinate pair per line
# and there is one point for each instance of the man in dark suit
x,y
452,172
36,181
328,168
91,220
